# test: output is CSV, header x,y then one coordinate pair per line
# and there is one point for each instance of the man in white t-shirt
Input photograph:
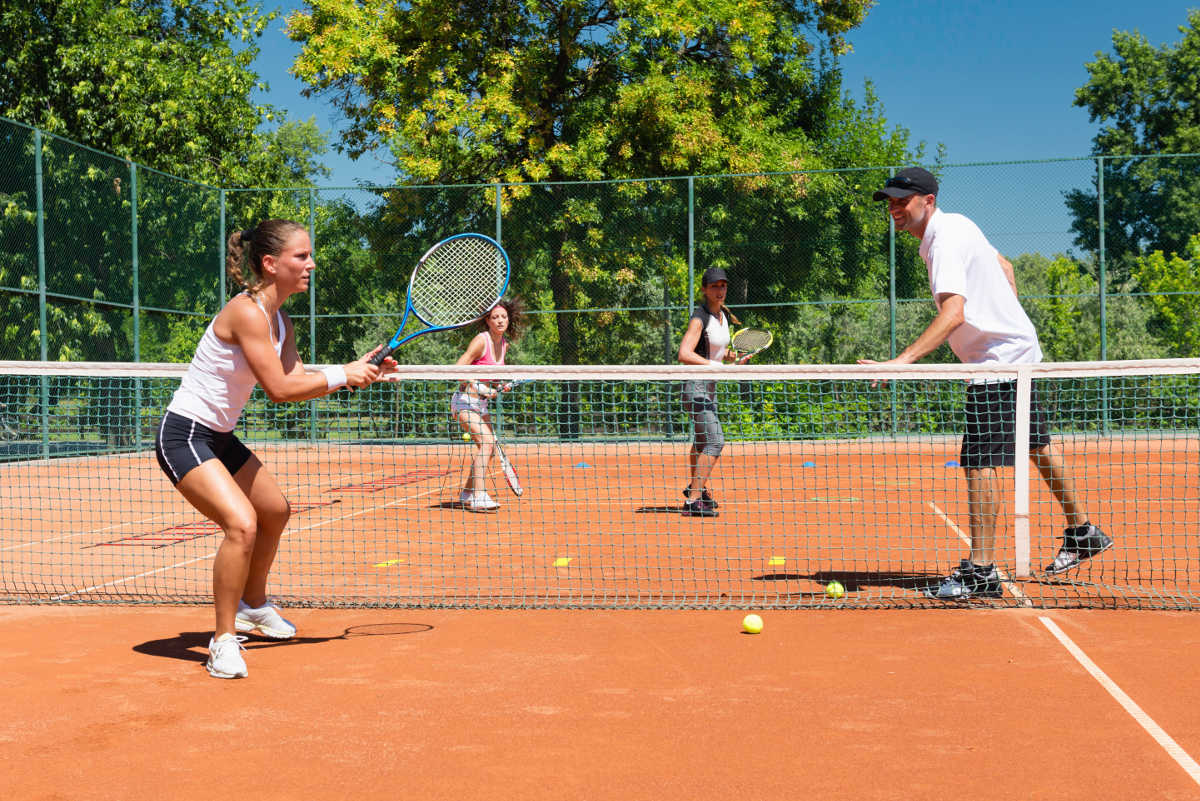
x,y
979,314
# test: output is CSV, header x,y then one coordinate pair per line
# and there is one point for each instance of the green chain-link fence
x,y
102,259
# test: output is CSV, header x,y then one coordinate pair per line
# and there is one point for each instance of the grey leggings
x,y
700,399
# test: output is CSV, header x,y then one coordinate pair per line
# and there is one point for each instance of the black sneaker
x,y
1082,542
968,580
704,496
700,508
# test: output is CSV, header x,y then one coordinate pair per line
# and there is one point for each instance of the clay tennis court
x,y
586,680
114,703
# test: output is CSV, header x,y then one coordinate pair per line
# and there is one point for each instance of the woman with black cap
x,y
706,341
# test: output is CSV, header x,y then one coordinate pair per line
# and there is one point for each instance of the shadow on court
x,y
662,510
192,646
856,580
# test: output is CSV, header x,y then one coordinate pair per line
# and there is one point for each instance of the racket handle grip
x,y
378,358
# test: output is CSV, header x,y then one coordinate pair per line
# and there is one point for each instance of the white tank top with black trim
x,y
218,382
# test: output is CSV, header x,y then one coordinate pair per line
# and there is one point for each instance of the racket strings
x,y
750,340
458,282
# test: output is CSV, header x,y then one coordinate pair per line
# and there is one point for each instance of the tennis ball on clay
x,y
752,624
834,589
466,437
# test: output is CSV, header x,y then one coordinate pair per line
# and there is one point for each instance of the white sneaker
x,y
482,502
464,497
264,620
225,657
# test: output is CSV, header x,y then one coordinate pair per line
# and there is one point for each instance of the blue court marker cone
x,y
809,464
583,464
952,463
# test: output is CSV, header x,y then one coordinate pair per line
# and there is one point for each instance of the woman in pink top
x,y
470,403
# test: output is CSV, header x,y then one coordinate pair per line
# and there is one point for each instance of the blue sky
x,y
993,81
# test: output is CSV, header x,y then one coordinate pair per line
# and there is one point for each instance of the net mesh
x,y
459,281
828,473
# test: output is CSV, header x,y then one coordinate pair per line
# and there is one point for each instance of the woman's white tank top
x,y
218,382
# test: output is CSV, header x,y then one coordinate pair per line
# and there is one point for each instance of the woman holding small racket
x,y
470,403
250,341
706,341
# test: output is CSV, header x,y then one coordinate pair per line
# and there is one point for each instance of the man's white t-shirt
x,y
962,262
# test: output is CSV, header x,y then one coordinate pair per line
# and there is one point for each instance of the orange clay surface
x,y
113,703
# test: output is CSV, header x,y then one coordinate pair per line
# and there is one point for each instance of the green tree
x,y
1174,284
161,83
552,92
165,83
1146,99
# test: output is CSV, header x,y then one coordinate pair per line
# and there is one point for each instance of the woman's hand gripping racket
x,y
456,282
748,342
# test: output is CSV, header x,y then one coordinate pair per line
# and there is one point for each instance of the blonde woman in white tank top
x,y
251,341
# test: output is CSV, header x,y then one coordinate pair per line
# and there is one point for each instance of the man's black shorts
x,y
990,440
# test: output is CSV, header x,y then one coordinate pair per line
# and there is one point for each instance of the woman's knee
x,y
241,530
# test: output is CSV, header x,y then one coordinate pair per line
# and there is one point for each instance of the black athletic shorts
x,y
991,439
182,444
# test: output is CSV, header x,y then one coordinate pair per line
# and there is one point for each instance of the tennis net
x,y
828,473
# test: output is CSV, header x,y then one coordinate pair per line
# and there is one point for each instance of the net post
x,y
1021,470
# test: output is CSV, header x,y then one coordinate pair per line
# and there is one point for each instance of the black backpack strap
x,y
702,343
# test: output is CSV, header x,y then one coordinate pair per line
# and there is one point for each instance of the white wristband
x,y
335,376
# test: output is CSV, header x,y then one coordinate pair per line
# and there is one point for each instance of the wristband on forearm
x,y
335,377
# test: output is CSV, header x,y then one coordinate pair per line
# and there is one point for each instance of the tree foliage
x,y
537,94
166,83
1148,100
161,83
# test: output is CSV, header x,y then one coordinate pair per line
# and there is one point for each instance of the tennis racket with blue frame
x,y
456,282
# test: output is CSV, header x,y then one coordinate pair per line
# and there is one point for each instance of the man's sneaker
x,y
700,508
704,496
481,502
1079,543
264,620
225,657
968,580
464,497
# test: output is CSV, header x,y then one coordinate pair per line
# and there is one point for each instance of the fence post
x,y
221,253
893,389
1102,280
137,308
312,311
691,246
43,344
499,208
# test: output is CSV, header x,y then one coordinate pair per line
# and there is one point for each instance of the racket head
x,y
510,472
458,280
748,341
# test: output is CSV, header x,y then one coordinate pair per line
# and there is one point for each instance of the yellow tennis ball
x,y
752,624
834,589
466,437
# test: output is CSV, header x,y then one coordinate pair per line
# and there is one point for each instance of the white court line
x,y
1173,749
169,516
184,563
962,535
84,533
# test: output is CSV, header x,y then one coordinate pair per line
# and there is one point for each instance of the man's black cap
x,y
909,181
712,275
